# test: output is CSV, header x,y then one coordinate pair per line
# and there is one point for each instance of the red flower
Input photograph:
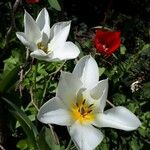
x,y
107,42
32,1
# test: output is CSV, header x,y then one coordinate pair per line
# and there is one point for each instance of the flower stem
x,y
69,145
47,82
110,103
35,74
32,100
115,56
55,72
55,138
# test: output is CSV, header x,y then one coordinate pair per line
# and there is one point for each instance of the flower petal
x,y
87,70
100,93
32,31
119,118
97,96
60,36
22,37
58,27
107,42
68,51
41,55
43,22
54,112
68,88
85,137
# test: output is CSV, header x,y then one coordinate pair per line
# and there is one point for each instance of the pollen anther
x,y
42,46
82,111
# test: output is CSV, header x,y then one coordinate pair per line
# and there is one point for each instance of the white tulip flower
x,y
45,43
79,104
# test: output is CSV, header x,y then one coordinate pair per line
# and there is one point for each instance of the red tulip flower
x,y
107,42
32,1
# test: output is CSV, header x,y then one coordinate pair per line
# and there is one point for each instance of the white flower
x,y
135,86
79,104
45,43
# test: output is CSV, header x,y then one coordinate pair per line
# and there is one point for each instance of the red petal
x,y
110,39
32,1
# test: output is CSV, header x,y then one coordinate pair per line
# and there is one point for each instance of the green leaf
x,y
146,49
55,4
46,140
87,44
8,80
119,98
134,145
25,122
101,70
22,144
14,60
42,142
122,49
25,144
146,89
103,146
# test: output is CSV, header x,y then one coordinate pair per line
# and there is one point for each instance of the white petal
x,y
85,137
97,96
68,51
43,22
41,55
99,93
32,31
58,27
22,37
68,88
54,112
44,38
119,118
87,70
60,37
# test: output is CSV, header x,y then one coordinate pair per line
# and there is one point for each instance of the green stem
x,y
112,105
35,74
57,69
47,82
44,91
69,145
120,64
115,56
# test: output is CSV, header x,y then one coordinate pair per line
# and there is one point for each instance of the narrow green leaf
x,y
9,79
55,4
46,141
25,123
49,137
42,141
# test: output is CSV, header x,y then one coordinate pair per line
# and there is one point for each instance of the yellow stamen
x,y
42,46
82,112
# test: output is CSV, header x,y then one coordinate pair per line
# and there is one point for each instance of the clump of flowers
x,y
79,104
47,43
107,42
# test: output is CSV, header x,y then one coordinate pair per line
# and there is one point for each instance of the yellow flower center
x,y
42,46
82,112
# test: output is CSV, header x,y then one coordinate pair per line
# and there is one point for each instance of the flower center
x,y
105,48
82,112
42,46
